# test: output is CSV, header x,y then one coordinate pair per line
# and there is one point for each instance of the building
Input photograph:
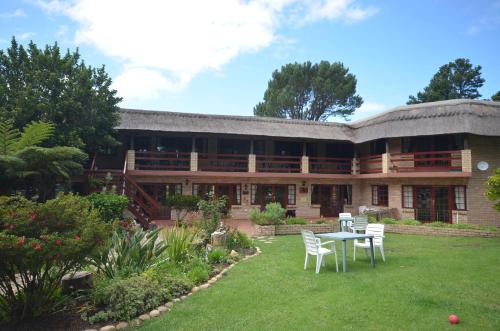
x,y
427,162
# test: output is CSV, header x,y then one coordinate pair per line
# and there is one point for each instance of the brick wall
x,y
271,230
430,231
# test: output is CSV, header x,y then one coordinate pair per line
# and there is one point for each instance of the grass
x,y
424,280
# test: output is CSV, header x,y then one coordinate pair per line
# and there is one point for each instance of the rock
x,y
80,280
177,300
183,297
234,253
121,325
135,322
204,286
144,317
169,305
196,289
107,328
90,330
154,313
212,280
162,309
189,294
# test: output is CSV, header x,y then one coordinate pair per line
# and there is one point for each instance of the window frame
x,y
412,200
292,201
379,194
464,187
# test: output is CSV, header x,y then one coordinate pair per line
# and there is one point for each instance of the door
x,y
442,210
423,210
331,200
273,193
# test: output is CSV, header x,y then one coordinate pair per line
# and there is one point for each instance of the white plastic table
x,y
344,236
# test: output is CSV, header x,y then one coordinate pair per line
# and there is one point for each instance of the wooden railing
x,y
370,164
222,162
330,165
426,161
141,204
272,163
162,160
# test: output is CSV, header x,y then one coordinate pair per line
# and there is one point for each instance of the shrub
x,y
295,220
463,226
109,205
273,215
179,243
39,244
256,216
238,240
411,222
212,210
129,253
183,204
198,271
216,256
389,220
124,299
436,224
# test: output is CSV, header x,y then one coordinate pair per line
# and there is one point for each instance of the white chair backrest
x,y
360,221
344,215
310,241
377,230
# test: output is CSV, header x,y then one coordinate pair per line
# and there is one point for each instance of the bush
x,y
39,244
124,299
109,205
183,204
273,215
389,220
212,211
198,271
411,222
179,243
217,256
238,240
463,226
436,224
129,253
295,220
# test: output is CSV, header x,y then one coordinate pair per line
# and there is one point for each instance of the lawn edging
x,y
438,231
284,229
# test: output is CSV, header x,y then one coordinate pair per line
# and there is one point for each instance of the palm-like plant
x,y
22,158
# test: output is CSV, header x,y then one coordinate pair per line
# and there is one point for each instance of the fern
x,y
34,134
9,137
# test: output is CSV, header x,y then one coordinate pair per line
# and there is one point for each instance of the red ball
x,y
453,319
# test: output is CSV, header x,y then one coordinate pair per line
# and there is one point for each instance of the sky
x,y
217,56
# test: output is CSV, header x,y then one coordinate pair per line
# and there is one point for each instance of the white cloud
x,y
14,14
25,35
170,42
371,107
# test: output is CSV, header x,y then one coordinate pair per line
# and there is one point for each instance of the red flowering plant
x,y
39,244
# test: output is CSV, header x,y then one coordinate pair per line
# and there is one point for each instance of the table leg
x,y
344,259
372,252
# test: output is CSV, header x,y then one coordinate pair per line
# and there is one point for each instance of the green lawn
x,y
424,280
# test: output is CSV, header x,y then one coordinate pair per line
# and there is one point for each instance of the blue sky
x,y
217,56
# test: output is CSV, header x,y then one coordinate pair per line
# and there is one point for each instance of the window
x,y
171,189
347,193
291,194
196,189
236,199
380,195
407,196
315,200
253,195
377,147
459,199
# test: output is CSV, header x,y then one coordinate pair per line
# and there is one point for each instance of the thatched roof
x,y
451,116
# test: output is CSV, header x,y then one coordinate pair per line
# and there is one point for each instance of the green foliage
x,y
238,240
129,253
212,210
217,255
310,92
389,220
179,242
39,244
496,96
411,222
455,80
295,220
436,224
109,205
273,215
198,271
183,204
493,189
45,84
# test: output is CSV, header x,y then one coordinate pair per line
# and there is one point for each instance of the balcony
x,y
442,163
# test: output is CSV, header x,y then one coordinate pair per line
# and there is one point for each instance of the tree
x,y
44,85
21,159
493,189
496,96
310,92
455,80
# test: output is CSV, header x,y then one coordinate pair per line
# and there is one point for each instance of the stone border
x,y
284,229
168,306
437,231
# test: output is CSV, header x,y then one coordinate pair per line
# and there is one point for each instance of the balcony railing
x,y
162,160
370,164
272,163
330,165
426,161
222,162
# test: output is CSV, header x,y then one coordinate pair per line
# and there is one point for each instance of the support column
x,y
385,163
130,159
466,160
193,144
304,168
251,163
194,162
354,166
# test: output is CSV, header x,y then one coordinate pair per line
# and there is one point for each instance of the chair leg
x,y
336,262
318,262
305,263
323,261
354,254
381,247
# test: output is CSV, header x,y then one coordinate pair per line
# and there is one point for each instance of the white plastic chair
x,y
359,224
377,230
314,247
345,220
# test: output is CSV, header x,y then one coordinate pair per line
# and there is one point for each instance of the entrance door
x,y
423,211
274,193
331,200
441,204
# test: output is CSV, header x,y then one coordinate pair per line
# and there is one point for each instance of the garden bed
x,y
284,229
438,231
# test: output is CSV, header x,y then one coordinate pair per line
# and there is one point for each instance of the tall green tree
x,y
456,80
309,91
496,96
45,85
493,189
24,164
